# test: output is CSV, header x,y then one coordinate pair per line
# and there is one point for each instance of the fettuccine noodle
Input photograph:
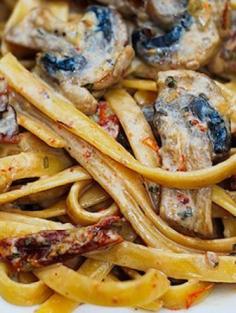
x,y
117,154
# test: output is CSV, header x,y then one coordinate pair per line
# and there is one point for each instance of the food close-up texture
x,y
117,153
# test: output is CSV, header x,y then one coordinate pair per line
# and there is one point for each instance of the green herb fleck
x,y
15,255
28,241
153,188
171,82
89,87
185,214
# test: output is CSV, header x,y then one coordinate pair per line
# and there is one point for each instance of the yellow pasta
x,y
64,113
57,209
83,289
81,216
233,4
30,164
177,265
187,294
66,177
117,154
224,200
140,84
22,294
94,195
154,306
229,227
59,304
44,134
145,98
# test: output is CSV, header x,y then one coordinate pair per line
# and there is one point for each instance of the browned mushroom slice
x,y
167,13
183,150
127,7
8,123
224,63
90,55
192,132
101,56
189,43
52,246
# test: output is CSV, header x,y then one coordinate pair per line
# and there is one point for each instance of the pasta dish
x,y
117,152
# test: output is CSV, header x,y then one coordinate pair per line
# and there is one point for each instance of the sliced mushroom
x,y
127,7
192,133
90,55
189,43
224,63
166,13
8,123
222,13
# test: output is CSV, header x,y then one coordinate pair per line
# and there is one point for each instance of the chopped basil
x,y
28,241
185,214
171,82
153,188
15,255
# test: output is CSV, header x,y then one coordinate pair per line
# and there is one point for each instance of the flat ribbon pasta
x,y
65,177
176,265
80,215
83,289
65,114
19,293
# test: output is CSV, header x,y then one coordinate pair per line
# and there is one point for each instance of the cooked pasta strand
x,y
81,216
19,293
185,295
94,195
223,199
154,306
58,209
66,115
139,84
44,133
67,176
30,164
176,265
83,289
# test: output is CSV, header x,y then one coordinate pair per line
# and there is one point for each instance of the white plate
x,y
222,300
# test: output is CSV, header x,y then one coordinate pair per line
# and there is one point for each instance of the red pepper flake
x,y
192,297
102,113
52,141
194,122
151,143
88,23
87,154
226,16
107,119
200,126
182,164
206,5
182,198
7,139
63,124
